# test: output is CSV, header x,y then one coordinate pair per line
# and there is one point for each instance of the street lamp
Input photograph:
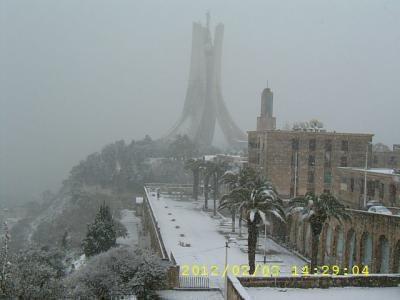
x,y
365,175
228,240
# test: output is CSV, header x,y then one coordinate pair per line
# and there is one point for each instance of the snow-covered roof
x,y
195,238
385,171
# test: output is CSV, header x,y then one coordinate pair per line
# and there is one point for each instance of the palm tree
x,y
194,166
208,169
217,168
245,178
255,202
317,210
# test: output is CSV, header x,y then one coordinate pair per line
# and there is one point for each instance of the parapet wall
x,y
322,281
150,226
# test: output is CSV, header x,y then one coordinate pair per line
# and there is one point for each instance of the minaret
x,y
266,120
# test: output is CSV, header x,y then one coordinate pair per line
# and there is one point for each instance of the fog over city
x,y
77,75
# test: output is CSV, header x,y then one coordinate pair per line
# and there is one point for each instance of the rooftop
x,y
308,132
384,171
388,293
196,238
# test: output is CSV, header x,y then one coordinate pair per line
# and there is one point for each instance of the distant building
x,y
298,162
266,120
383,185
387,159
303,160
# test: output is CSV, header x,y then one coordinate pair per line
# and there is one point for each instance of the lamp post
x,y
365,176
226,265
265,243
295,173
228,240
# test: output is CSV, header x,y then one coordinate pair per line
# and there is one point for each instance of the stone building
x,y
303,160
369,239
383,185
387,159
297,162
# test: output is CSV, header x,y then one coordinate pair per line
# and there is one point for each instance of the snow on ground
x,y
79,262
197,239
190,295
388,293
132,224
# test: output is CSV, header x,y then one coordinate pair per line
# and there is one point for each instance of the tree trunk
x,y
215,184
314,252
233,212
206,182
196,177
240,223
252,244
316,223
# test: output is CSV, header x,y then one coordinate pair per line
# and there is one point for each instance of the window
x,y
392,161
311,160
352,185
371,188
361,185
327,159
345,146
312,145
295,144
343,183
311,176
381,190
343,161
327,177
328,145
392,194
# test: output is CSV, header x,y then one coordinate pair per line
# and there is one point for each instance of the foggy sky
x,y
76,75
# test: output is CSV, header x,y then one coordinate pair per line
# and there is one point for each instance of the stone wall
x,y
150,227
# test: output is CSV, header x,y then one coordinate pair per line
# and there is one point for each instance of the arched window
x,y
383,255
350,249
328,246
366,250
339,245
396,258
308,239
299,241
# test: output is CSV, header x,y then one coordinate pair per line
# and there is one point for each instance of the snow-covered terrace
x,y
195,238
387,293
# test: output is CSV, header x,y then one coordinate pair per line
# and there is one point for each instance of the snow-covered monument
x,y
204,104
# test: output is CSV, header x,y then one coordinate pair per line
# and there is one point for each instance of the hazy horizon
x,y
77,75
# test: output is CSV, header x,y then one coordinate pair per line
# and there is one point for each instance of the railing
x,y
194,282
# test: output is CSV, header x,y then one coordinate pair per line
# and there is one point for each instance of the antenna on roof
x,y
267,84
208,17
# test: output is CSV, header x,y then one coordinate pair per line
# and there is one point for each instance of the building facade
x,y
387,159
383,185
297,162
370,239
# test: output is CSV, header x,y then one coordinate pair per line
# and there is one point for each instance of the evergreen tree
x,y
101,235
4,263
